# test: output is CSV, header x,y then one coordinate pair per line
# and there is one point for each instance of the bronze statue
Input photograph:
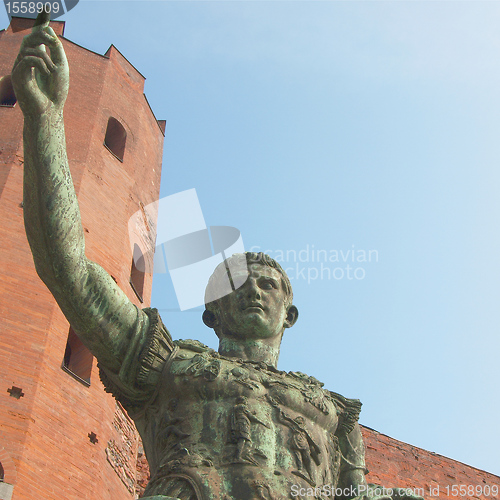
x,y
224,425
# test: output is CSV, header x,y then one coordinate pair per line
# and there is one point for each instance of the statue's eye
x,y
268,285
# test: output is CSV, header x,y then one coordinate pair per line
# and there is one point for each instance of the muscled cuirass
x,y
226,428
219,428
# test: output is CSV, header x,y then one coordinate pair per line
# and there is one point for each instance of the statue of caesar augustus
x,y
224,425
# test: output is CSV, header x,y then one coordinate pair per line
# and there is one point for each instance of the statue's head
x,y
260,303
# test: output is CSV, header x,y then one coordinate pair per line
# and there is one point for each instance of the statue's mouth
x,y
254,305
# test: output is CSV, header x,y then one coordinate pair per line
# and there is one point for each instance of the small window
x,y
2,473
77,359
115,138
7,96
137,273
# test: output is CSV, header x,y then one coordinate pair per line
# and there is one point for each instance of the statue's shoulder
x,y
348,409
306,379
193,346
156,329
195,359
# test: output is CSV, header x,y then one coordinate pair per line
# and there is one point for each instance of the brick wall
x,y
392,463
60,438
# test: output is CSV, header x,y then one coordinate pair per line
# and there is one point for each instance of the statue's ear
x,y
209,318
291,316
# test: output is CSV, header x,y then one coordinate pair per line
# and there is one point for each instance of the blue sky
x,y
345,126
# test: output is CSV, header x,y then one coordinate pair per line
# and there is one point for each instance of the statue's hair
x,y
251,258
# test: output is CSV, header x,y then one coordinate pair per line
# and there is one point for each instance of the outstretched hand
x,y
40,79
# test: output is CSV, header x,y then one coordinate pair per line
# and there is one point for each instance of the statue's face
x,y
257,309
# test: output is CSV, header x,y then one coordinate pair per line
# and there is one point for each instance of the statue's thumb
x,y
43,17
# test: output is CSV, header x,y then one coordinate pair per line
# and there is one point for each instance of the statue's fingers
x,y
57,52
50,32
46,37
29,48
22,77
50,37
31,61
42,55
38,38
22,69
17,61
43,18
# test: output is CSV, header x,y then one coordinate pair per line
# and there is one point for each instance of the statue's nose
x,y
251,289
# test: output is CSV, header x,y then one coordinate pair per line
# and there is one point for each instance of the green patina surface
x,y
215,425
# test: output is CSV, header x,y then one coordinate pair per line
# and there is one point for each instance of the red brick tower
x,y
61,435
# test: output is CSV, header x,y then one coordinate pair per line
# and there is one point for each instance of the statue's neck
x,y
257,350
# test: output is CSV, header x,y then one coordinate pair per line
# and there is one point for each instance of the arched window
x,y
77,359
115,138
7,96
2,473
137,273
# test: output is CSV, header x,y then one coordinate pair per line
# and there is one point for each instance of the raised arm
x,y
99,312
